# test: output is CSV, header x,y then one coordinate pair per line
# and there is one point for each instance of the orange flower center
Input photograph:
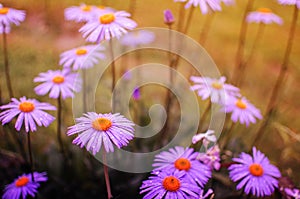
x,y
22,181
58,79
264,10
182,164
4,10
86,8
217,85
81,51
242,105
256,169
171,183
26,107
101,124
107,18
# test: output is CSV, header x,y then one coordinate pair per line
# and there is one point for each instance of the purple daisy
x,y
134,39
59,83
254,173
263,15
211,158
242,110
29,111
23,186
82,13
11,15
182,159
82,57
205,5
97,128
295,193
216,89
107,26
166,184
290,2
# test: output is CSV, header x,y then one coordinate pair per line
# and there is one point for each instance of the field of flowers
x,y
149,99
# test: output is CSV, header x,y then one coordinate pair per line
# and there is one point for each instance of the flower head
x,y
242,110
254,173
167,184
216,89
10,16
295,193
181,159
107,26
134,39
211,158
24,186
208,136
168,17
205,5
59,83
228,2
136,94
82,57
96,129
290,2
263,15
29,111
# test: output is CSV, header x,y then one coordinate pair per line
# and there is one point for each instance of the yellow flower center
x,y
58,79
171,183
4,10
182,164
26,107
81,51
22,181
242,105
107,18
217,85
86,8
101,124
264,10
256,169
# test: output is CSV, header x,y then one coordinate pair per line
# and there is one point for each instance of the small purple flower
x,y
168,17
59,83
96,129
166,184
205,5
82,57
295,193
290,2
107,26
265,16
82,13
136,94
29,111
208,136
134,39
216,89
24,186
10,16
228,2
242,110
254,173
211,158
181,159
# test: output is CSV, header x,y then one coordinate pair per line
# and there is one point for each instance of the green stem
x,y
132,7
113,71
30,155
181,16
206,27
84,90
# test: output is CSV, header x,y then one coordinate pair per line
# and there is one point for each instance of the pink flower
x,y
207,137
211,158
263,15
10,16
205,5
290,2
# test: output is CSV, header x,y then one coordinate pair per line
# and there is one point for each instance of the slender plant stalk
x,y
204,115
59,120
206,27
189,20
105,168
242,39
30,155
228,135
181,16
84,90
6,65
132,7
273,102
113,73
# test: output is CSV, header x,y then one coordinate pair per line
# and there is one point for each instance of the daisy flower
x,y
205,5
107,26
181,159
242,110
211,158
295,193
11,16
216,89
59,83
134,39
82,57
254,173
24,186
82,13
166,184
208,136
29,111
96,129
263,15
290,2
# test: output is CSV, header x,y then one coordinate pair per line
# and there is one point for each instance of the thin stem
x,y
113,73
228,134
273,102
59,120
206,27
132,7
106,175
84,91
189,20
181,16
204,115
30,155
6,66
240,50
